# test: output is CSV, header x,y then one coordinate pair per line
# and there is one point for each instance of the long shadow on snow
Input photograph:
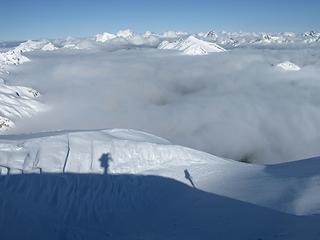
x,y
90,206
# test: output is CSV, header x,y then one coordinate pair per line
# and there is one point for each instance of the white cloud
x,y
234,105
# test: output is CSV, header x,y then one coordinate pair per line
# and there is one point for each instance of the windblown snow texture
x,y
64,192
133,152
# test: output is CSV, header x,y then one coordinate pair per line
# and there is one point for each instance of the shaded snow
x,y
136,152
58,179
83,206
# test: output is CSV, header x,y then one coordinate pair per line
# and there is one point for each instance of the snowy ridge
x,y
49,47
13,57
31,45
170,39
126,34
17,101
198,44
103,37
238,39
192,46
136,152
80,152
174,34
288,66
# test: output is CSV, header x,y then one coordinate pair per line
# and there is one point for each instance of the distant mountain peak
x,y
192,46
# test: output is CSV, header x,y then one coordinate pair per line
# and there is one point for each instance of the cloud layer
x,y
235,104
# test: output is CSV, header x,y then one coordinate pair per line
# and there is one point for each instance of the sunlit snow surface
x,y
16,101
133,152
288,66
192,46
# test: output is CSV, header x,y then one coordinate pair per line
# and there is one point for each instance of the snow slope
x,y
192,46
103,37
83,206
288,66
17,101
12,57
49,47
126,34
197,44
75,201
31,45
261,39
133,152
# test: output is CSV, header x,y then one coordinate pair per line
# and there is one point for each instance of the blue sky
x,y
32,19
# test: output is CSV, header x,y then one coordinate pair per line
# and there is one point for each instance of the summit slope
x,y
192,46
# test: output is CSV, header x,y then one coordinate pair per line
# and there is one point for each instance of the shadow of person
x,y
188,177
104,162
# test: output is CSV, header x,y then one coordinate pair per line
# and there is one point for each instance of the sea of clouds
x,y
236,104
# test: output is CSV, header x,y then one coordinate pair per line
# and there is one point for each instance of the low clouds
x,y
235,104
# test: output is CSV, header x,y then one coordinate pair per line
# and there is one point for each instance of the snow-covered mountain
x,y
238,39
211,41
174,34
17,101
49,47
127,38
12,57
126,34
288,66
32,45
311,37
223,39
103,37
192,46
